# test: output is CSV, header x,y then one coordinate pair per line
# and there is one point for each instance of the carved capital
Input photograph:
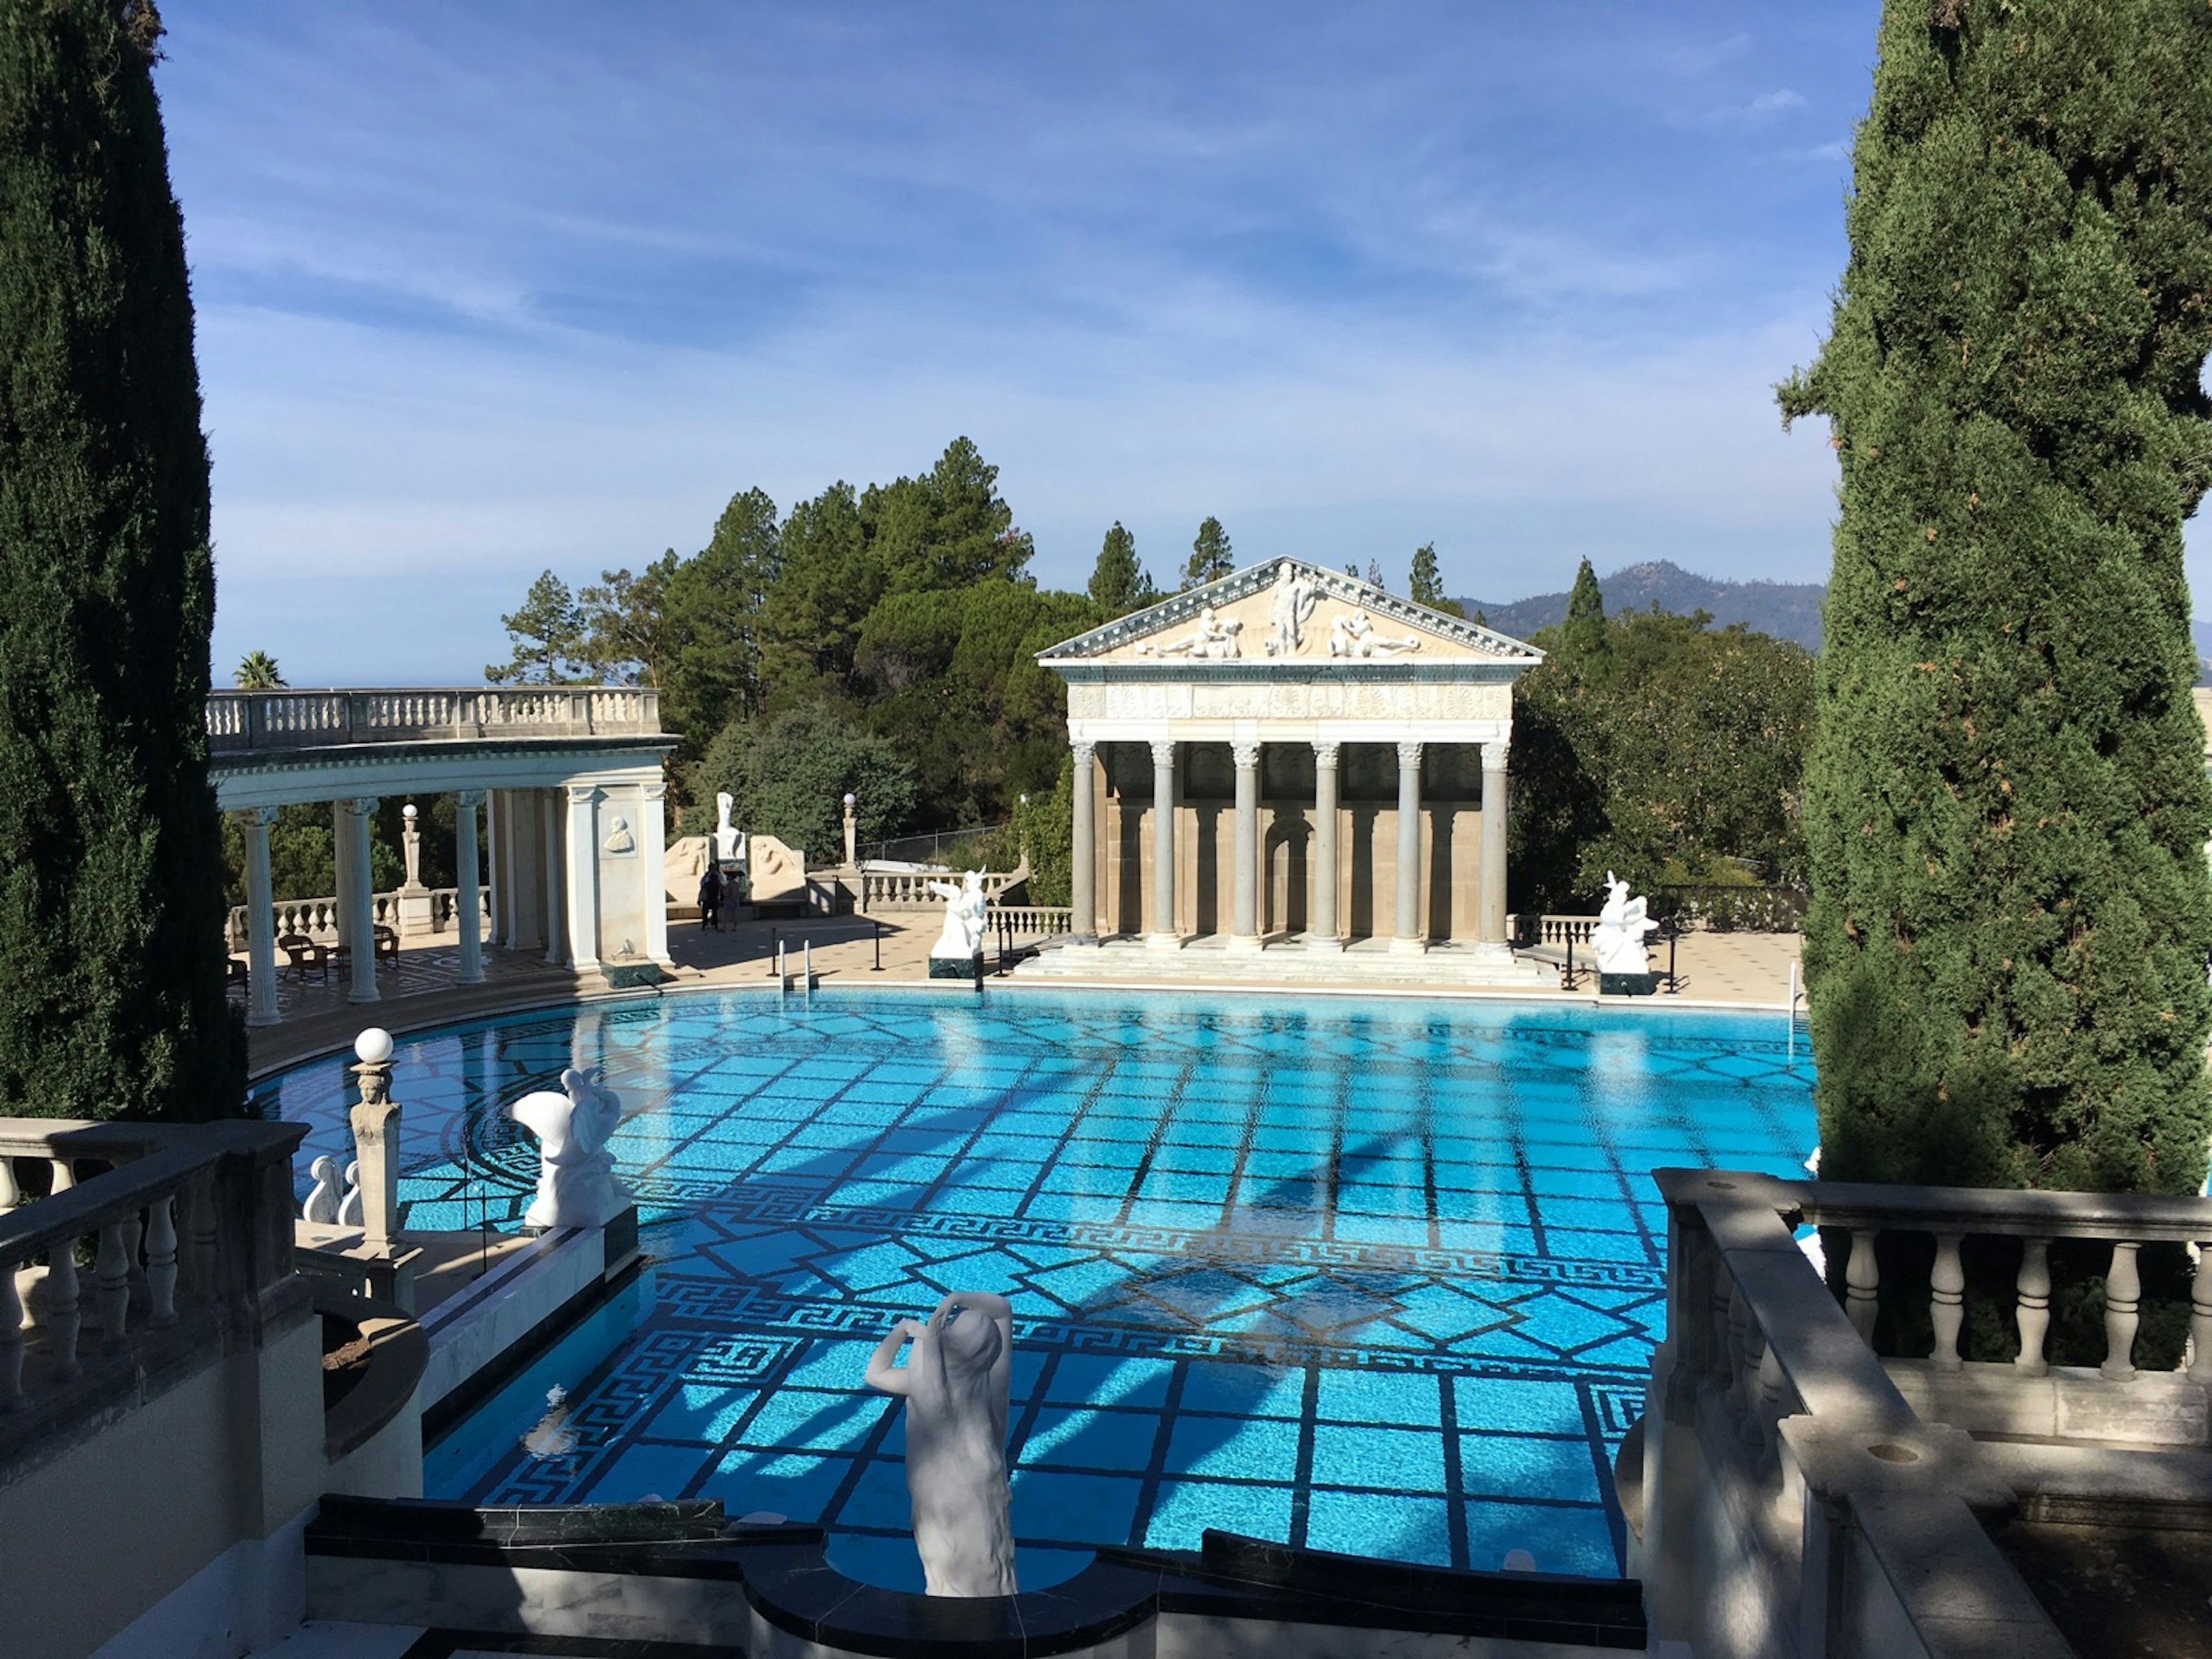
x,y
1083,752
1325,755
1164,752
657,790
1409,757
258,817
582,795
468,797
1246,755
1496,754
362,805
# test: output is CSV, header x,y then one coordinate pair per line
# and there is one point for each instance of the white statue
x,y
1215,637
619,839
576,1184
955,1386
1355,636
728,848
1294,600
964,911
1621,927
550,1436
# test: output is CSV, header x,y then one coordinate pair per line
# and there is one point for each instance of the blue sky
x,y
487,288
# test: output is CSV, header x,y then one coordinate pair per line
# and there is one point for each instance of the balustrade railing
x,y
317,919
1030,920
908,889
1530,932
182,1227
242,721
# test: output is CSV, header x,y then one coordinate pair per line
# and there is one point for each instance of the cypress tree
x,y
1210,555
110,871
2006,805
1581,637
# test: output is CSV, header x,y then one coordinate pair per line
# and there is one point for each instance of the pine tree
x,y
1118,582
1583,635
112,971
1209,556
1425,584
2006,803
1374,572
546,633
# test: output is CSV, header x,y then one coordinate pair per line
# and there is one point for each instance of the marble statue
x,y
619,839
954,1383
729,848
550,1436
1621,927
576,1183
965,908
1355,636
1293,602
1215,637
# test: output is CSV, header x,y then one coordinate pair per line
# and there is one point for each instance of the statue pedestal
x,y
415,917
954,968
1627,985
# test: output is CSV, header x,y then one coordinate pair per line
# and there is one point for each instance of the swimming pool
x,y
1366,1275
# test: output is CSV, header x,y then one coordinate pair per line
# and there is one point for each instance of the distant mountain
x,y
1787,611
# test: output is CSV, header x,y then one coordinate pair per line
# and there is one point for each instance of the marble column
x,y
549,871
1083,896
1322,930
652,847
360,903
1164,934
1244,862
342,853
260,919
499,859
1496,796
580,858
1409,850
468,914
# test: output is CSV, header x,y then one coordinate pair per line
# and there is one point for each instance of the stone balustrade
x,y
240,722
908,889
1029,920
189,1233
1800,1483
318,918
1530,932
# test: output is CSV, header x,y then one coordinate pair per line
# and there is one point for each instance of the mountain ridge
x,y
1787,611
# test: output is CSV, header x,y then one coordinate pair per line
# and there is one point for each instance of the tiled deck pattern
x,y
1380,1277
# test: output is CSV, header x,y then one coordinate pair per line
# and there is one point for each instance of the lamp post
x,y
849,847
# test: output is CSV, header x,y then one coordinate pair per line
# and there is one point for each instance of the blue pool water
x,y
1373,1276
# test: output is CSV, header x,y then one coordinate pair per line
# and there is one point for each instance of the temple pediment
x,y
1287,612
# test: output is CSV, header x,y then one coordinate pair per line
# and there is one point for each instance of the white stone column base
x,y
1163,941
1243,944
1330,944
1409,947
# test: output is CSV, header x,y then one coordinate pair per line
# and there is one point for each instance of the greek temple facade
x,y
1294,763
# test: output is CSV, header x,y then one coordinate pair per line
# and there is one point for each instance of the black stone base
x,y
952,968
1627,985
631,975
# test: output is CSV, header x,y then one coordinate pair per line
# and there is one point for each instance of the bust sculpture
x,y
619,839
954,1383
1621,927
727,848
576,1183
965,909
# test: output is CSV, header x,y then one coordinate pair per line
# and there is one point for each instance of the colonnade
x,y
1325,928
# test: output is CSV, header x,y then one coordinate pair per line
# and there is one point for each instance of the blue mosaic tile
x,y
1372,1276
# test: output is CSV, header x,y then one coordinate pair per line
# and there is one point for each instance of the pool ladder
x,y
805,970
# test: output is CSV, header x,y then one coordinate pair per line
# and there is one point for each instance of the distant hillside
x,y
1787,611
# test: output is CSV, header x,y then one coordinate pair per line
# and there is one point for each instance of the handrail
x,y
241,722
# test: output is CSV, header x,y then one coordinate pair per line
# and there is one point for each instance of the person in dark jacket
x,y
710,899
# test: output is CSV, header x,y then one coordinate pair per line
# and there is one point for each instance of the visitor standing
x,y
710,899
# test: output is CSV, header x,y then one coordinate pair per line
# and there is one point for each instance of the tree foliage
x,y
1659,751
1119,584
1210,555
258,671
622,623
791,773
111,902
1425,584
2006,804
545,634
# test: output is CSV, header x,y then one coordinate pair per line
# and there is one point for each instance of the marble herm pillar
x,y
1164,934
581,856
653,842
1409,850
1244,864
1490,916
260,919
361,903
1083,896
468,914
1322,935
549,871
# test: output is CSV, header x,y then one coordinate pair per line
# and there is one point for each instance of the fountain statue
x,y
1621,927
576,1184
964,911
728,848
954,1383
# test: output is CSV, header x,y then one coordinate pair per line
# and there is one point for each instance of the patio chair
x,y
387,943
305,954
